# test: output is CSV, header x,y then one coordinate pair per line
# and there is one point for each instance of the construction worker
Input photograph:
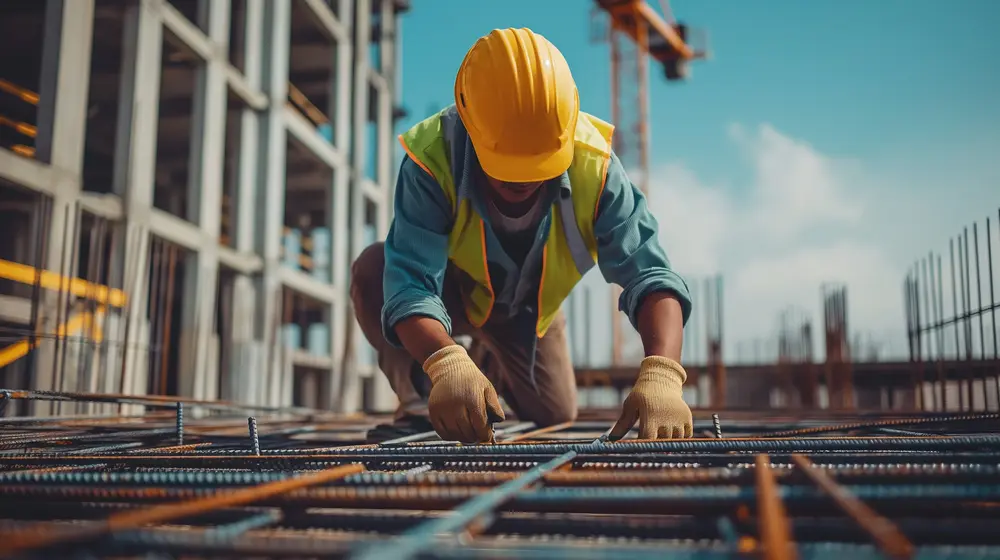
x,y
504,200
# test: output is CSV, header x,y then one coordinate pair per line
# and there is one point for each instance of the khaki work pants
x,y
506,365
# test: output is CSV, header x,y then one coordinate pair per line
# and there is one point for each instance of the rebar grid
x,y
215,480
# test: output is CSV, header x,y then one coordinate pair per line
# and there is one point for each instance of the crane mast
x,y
636,32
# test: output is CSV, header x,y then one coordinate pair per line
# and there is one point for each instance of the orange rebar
x,y
25,94
889,539
127,520
774,527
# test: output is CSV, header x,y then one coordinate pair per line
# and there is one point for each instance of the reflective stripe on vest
x,y
437,145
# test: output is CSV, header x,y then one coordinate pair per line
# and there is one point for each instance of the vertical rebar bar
x,y
927,306
164,343
107,229
254,440
44,220
60,343
925,332
36,285
941,335
918,337
968,317
935,333
74,256
908,312
979,310
155,306
130,270
87,337
960,322
932,326
993,304
180,423
954,306
718,426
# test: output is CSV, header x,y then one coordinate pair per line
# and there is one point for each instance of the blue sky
x,y
844,138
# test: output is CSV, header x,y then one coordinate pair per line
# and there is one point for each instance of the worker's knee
x,y
366,284
366,270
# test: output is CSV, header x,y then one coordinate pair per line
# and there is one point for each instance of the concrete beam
x,y
28,173
326,20
309,136
308,286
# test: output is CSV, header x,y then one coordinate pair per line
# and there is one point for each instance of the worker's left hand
x,y
656,402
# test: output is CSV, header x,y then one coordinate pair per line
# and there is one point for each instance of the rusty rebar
x,y
886,535
127,520
123,495
774,528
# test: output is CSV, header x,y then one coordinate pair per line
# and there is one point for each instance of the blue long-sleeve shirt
x,y
416,248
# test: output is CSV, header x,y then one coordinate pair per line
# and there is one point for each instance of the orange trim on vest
x,y
604,180
541,286
415,159
489,281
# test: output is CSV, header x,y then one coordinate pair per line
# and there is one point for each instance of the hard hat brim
x,y
529,168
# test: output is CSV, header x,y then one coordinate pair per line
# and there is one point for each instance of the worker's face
x,y
514,192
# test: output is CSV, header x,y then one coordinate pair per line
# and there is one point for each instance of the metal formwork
x,y
199,479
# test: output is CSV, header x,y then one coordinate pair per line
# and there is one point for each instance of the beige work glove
x,y
656,402
462,400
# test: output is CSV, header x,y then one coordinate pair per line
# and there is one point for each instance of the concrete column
x,y
245,294
340,313
135,166
270,216
62,131
198,377
351,393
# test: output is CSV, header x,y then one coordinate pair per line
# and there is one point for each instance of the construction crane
x,y
637,32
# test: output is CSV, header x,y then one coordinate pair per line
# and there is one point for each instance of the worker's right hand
x,y
462,402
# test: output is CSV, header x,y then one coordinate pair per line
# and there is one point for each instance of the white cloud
x,y
798,219
693,217
796,224
794,186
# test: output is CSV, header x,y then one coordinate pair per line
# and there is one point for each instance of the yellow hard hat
x,y
517,98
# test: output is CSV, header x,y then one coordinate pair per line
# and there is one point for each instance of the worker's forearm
x,y
422,336
661,325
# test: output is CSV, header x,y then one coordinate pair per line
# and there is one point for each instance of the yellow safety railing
x,y
77,322
25,274
85,321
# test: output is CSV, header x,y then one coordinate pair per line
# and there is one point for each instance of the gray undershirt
x,y
517,238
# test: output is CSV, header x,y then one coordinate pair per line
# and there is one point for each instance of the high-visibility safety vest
x,y
570,248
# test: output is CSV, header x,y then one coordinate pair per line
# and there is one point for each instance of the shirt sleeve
x,y
628,250
416,251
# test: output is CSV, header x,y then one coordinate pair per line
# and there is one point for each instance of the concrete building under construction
x,y
183,184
